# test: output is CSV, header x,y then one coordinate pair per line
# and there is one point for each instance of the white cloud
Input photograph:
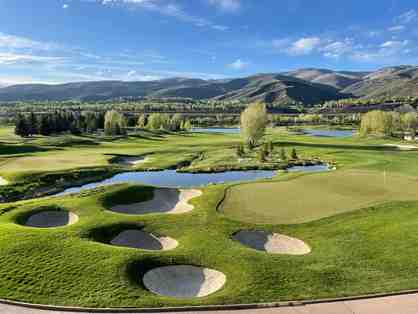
x,y
16,42
7,58
65,6
337,49
396,28
407,17
227,5
169,9
388,51
304,46
238,65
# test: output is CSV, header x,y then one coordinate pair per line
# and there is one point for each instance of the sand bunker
x,y
272,243
51,219
133,161
184,281
170,201
403,147
3,181
141,240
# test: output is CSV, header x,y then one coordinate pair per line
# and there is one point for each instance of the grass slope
x,y
311,197
66,266
360,251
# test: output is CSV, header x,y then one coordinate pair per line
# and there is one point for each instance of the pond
x,y
217,130
174,179
329,133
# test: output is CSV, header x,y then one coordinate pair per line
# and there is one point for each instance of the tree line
x,y
58,122
112,122
382,123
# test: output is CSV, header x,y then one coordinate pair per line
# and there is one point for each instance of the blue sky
x,y
55,41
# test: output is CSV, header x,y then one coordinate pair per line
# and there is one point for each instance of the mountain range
x,y
306,86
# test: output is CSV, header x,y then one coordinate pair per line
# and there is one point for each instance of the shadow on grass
x,y
7,149
337,146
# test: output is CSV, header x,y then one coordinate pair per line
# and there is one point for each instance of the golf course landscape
x,y
349,229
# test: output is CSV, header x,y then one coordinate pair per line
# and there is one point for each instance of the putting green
x,y
311,197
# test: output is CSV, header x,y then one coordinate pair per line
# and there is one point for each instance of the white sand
x,y
133,161
184,281
170,201
272,243
3,181
51,219
402,147
141,240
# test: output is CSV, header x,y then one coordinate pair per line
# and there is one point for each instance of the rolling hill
x,y
305,86
388,82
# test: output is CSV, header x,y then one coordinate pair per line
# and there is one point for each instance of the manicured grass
x,y
299,199
371,250
354,252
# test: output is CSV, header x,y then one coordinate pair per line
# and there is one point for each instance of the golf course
x,y
348,229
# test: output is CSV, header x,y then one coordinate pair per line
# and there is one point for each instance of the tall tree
x,y
253,123
21,126
115,123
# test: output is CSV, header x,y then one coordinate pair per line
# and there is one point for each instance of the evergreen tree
x,y
33,124
294,154
43,125
21,126
283,155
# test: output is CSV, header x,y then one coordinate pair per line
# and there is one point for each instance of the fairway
x,y
311,197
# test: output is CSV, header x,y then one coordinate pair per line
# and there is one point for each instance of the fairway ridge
x,y
272,243
184,281
51,219
165,200
142,240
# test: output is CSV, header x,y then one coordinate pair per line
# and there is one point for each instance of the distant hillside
x,y
266,87
282,89
388,82
305,86
337,79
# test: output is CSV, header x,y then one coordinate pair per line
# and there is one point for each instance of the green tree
x,y
240,150
283,155
21,126
187,125
294,154
142,121
253,123
115,123
378,123
262,155
410,123
176,122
